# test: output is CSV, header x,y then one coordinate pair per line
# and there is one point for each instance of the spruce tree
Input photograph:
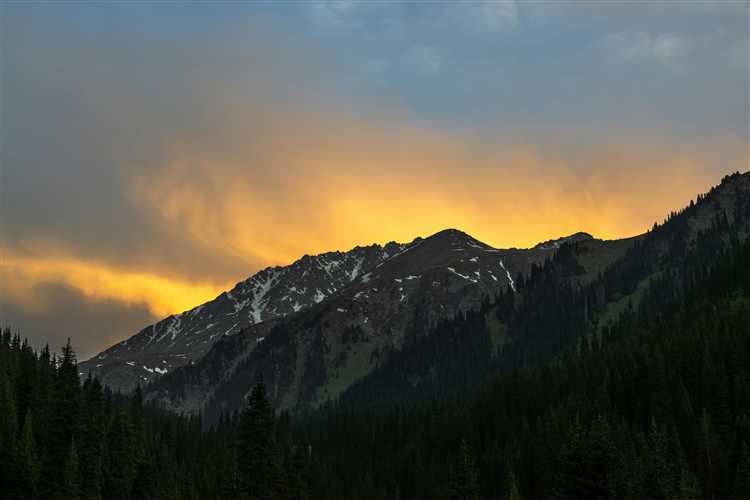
x,y
26,463
69,489
91,449
465,483
584,463
511,484
258,468
121,464
63,425
741,487
8,431
137,420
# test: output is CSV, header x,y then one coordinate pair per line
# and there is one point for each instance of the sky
x,y
152,155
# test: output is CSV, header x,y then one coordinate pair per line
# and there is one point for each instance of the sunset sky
x,y
154,155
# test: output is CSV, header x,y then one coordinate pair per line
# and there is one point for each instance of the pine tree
x,y
584,463
295,476
26,461
121,465
91,449
69,489
63,424
8,431
661,477
258,467
137,419
742,475
145,484
511,484
465,483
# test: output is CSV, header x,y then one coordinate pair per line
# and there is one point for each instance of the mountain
x,y
314,355
386,306
555,244
272,293
357,276
532,304
567,303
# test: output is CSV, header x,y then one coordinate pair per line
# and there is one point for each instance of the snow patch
x,y
173,329
151,338
259,302
355,271
462,275
507,274
232,328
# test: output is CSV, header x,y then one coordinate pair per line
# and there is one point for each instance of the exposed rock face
x,y
271,293
316,353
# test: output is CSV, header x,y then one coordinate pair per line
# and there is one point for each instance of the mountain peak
x,y
456,237
450,232
554,244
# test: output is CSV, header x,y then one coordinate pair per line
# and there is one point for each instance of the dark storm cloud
x,y
62,313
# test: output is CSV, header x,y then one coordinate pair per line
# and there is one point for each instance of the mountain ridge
x,y
272,293
258,298
313,355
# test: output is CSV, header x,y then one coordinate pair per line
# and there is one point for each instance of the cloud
x,y
379,177
146,169
483,18
497,15
338,15
739,54
375,66
644,47
64,312
423,59
98,282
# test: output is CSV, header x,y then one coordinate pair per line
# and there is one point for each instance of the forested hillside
x,y
658,407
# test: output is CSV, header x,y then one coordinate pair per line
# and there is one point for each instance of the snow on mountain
x,y
399,276
555,244
271,293
314,355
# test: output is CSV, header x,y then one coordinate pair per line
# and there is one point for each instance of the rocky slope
x,y
316,353
271,293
